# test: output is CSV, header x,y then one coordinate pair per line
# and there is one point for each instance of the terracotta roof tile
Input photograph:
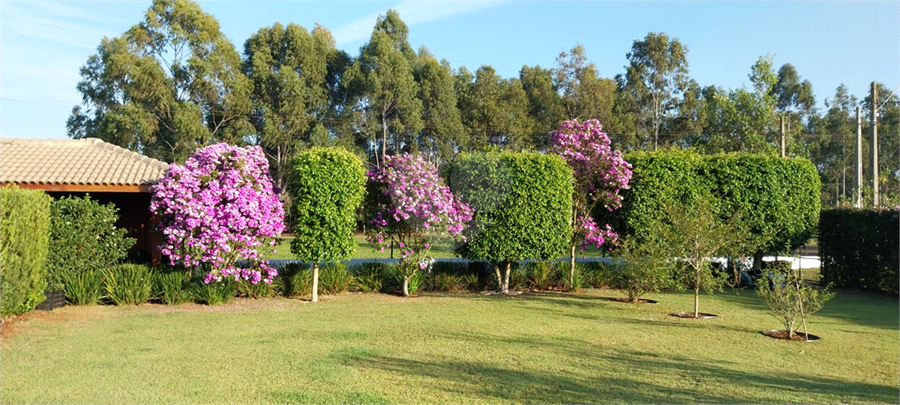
x,y
75,161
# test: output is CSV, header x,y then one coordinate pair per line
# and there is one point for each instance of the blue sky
x,y
44,43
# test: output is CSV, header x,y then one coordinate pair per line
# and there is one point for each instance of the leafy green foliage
x,y
83,237
327,186
522,204
335,278
789,298
83,287
370,277
129,284
859,248
777,198
294,279
172,285
24,236
214,293
641,269
166,86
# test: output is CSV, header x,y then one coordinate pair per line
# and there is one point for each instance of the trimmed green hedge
x,y
777,198
860,249
24,239
522,204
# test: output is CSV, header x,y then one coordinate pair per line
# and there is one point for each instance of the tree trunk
x,y
315,280
757,263
505,287
406,285
499,276
697,296
383,139
572,268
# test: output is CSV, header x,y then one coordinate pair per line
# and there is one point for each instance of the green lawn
x,y
368,250
452,348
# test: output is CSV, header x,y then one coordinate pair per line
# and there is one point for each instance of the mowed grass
x,y
452,348
367,250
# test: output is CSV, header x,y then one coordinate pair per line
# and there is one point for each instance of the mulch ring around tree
x,y
783,335
636,301
690,315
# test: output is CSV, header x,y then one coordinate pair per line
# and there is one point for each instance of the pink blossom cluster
x,y
592,234
420,207
600,173
218,208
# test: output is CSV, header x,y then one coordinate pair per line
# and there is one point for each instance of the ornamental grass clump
x,y
217,208
599,174
410,208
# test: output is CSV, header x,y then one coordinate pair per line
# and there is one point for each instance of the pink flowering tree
x,y
410,208
217,208
599,174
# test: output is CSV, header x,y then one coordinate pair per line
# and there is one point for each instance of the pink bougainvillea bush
x,y
217,208
600,173
409,206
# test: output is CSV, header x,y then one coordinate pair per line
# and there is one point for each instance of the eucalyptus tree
x,y
288,67
585,94
443,134
655,78
385,99
544,104
494,110
168,85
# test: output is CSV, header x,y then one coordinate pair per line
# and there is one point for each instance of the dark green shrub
x,y
776,198
261,289
24,237
128,284
396,276
540,274
334,278
441,282
522,204
370,277
860,249
294,280
83,237
214,293
326,187
595,274
172,285
640,269
82,287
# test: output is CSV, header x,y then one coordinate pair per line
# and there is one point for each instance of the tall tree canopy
x,y
167,86
288,67
388,110
655,78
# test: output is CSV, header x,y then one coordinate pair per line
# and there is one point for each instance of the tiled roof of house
x,y
90,162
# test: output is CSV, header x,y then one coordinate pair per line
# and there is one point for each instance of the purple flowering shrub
x,y
410,207
599,172
217,208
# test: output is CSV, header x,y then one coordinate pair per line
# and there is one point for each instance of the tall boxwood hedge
x,y
777,198
860,249
24,239
521,203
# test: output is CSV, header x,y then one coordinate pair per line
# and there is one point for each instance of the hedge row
x,y
776,198
24,230
860,249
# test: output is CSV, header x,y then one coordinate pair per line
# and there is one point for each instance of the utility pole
x,y
859,163
874,146
782,136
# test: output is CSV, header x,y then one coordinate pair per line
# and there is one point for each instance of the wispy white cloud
x,y
56,22
413,13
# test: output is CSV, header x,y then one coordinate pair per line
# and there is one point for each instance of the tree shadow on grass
x,y
625,376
